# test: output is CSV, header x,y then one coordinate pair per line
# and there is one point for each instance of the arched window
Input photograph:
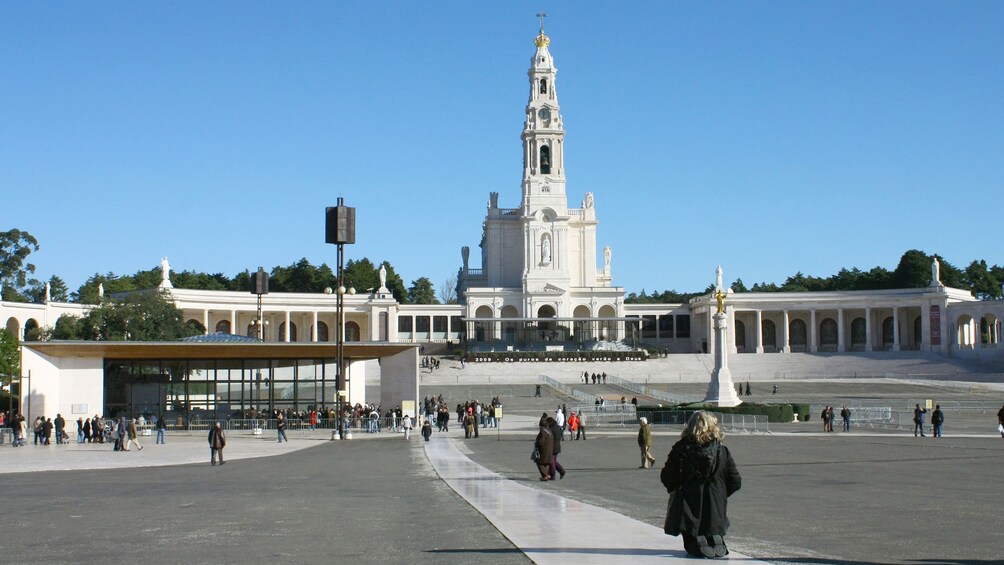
x,y
797,331
545,160
322,331
351,331
887,333
252,331
31,330
543,86
828,332
769,334
858,331
197,325
223,327
740,335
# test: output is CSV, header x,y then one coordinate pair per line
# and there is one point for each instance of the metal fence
x,y
650,392
608,414
730,423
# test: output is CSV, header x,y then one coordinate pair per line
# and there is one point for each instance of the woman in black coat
x,y
700,475
556,433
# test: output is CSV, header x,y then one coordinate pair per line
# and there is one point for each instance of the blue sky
x,y
768,137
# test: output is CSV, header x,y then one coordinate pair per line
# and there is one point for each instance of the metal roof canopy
x,y
185,350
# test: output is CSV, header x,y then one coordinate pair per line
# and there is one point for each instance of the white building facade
x,y
539,282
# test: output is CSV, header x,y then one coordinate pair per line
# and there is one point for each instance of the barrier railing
x,y
652,392
730,423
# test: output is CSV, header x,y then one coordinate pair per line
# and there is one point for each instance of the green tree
x,y
10,358
980,282
738,286
136,316
422,292
15,247
361,275
68,327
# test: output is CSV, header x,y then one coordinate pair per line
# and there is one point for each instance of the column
x,y
785,338
731,312
287,332
314,333
841,344
925,327
205,321
895,328
233,323
812,332
759,331
868,330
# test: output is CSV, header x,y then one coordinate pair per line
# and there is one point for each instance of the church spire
x,y
543,134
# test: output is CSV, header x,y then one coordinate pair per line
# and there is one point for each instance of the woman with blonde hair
x,y
700,475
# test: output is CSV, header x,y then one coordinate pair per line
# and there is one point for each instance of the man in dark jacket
x,y
60,424
217,441
937,419
918,420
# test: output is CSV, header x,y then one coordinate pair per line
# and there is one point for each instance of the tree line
x,y
363,275
913,271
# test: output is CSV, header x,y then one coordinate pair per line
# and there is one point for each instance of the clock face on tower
x,y
544,114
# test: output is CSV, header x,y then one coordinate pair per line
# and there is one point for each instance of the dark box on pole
x,y
340,225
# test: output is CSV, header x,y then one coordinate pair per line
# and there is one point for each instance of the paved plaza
x,y
861,497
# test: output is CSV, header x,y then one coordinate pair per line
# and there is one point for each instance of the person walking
x,y
60,424
80,430
47,431
825,417
581,426
937,419
845,415
573,425
556,434
427,430
406,424
131,435
217,441
645,443
161,426
918,420
280,429
543,447
700,474
1000,422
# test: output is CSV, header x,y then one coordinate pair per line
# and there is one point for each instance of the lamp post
x,y
340,229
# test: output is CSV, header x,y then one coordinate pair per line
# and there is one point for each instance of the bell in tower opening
x,y
545,160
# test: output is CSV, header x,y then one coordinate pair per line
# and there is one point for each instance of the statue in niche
x,y
589,200
606,257
545,249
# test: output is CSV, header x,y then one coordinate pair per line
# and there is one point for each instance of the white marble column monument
x,y
721,390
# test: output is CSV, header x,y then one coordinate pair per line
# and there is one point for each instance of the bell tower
x,y
543,135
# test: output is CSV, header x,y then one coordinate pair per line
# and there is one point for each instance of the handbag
x,y
535,454
1000,428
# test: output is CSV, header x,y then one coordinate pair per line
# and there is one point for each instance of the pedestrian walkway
x,y
552,529
179,450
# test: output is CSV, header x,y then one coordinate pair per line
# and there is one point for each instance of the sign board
x,y
78,409
935,325
408,408
929,404
498,412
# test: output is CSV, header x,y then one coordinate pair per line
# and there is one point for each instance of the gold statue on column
x,y
720,297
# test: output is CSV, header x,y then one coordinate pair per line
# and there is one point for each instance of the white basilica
x,y
539,288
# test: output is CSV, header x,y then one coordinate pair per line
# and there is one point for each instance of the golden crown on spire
x,y
542,40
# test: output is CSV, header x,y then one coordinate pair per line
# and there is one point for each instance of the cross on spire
x,y
541,14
